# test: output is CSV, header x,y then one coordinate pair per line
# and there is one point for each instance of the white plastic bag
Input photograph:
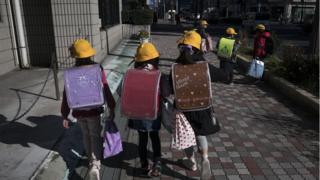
x,y
256,68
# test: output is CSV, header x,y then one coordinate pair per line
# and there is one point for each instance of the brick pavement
x,y
263,135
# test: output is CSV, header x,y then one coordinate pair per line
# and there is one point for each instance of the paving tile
x,y
236,160
291,171
272,178
218,172
246,177
220,177
234,154
286,165
234,177
309,177
216,165
303,171
267,172
279,171
243,171
259,177
284,177
231,171
296,177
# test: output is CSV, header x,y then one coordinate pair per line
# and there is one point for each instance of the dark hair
x,y
154,62
84,61
186,58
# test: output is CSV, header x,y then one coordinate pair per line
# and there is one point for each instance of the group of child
x,y
147,58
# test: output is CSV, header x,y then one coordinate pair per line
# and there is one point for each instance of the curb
x,y
303,98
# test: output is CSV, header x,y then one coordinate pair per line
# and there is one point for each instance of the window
x,y
109,12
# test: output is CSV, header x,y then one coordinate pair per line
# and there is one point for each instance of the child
x,y
89,119
202,121
147,58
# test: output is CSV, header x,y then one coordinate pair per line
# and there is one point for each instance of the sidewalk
x,y
33,142
263,136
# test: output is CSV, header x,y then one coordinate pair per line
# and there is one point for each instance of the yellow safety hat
x,y
231,31
203,22
191,38
145,52
260,27
81,48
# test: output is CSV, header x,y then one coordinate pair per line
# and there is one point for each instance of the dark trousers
x,y
143,143
227,66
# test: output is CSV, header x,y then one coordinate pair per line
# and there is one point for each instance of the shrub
x,y
297,67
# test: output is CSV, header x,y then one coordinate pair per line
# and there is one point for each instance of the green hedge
x,y
137,16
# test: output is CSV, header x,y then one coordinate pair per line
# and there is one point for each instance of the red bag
x,y
140,94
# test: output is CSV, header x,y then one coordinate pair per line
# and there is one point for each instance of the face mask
x,y
186,48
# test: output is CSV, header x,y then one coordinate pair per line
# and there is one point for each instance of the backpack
x,y
269,45
192,86
140,94
84,87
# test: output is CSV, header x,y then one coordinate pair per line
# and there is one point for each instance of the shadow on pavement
x,y
46,132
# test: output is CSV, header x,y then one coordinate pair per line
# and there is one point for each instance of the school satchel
x,y
192,86
140,94
84,87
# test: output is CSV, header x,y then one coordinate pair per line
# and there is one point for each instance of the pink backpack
x,y
140,94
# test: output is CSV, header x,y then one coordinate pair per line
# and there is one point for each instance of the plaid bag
x,y
183,135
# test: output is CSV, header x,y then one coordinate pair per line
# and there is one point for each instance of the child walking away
x,y
86,91
193,97
227,50
140,100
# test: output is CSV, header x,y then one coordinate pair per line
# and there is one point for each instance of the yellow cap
x,y
81,48
231,31
145,52
203,22
191,38
260,27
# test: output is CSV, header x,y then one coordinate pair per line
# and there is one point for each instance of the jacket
x,y
259,49
65,110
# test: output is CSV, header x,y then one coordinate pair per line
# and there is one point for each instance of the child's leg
x,y
205,164
156,145
143,142
202,146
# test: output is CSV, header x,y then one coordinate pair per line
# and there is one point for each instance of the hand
x,y
65,124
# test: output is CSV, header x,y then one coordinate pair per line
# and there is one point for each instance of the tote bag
x,y
183,135
112,144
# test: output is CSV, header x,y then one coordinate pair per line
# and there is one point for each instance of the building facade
x,y
34,31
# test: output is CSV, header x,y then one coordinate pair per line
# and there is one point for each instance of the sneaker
x,y
156,169
189,164
94,173
205,170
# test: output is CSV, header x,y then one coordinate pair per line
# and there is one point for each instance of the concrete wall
x,y
73,19
7,59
